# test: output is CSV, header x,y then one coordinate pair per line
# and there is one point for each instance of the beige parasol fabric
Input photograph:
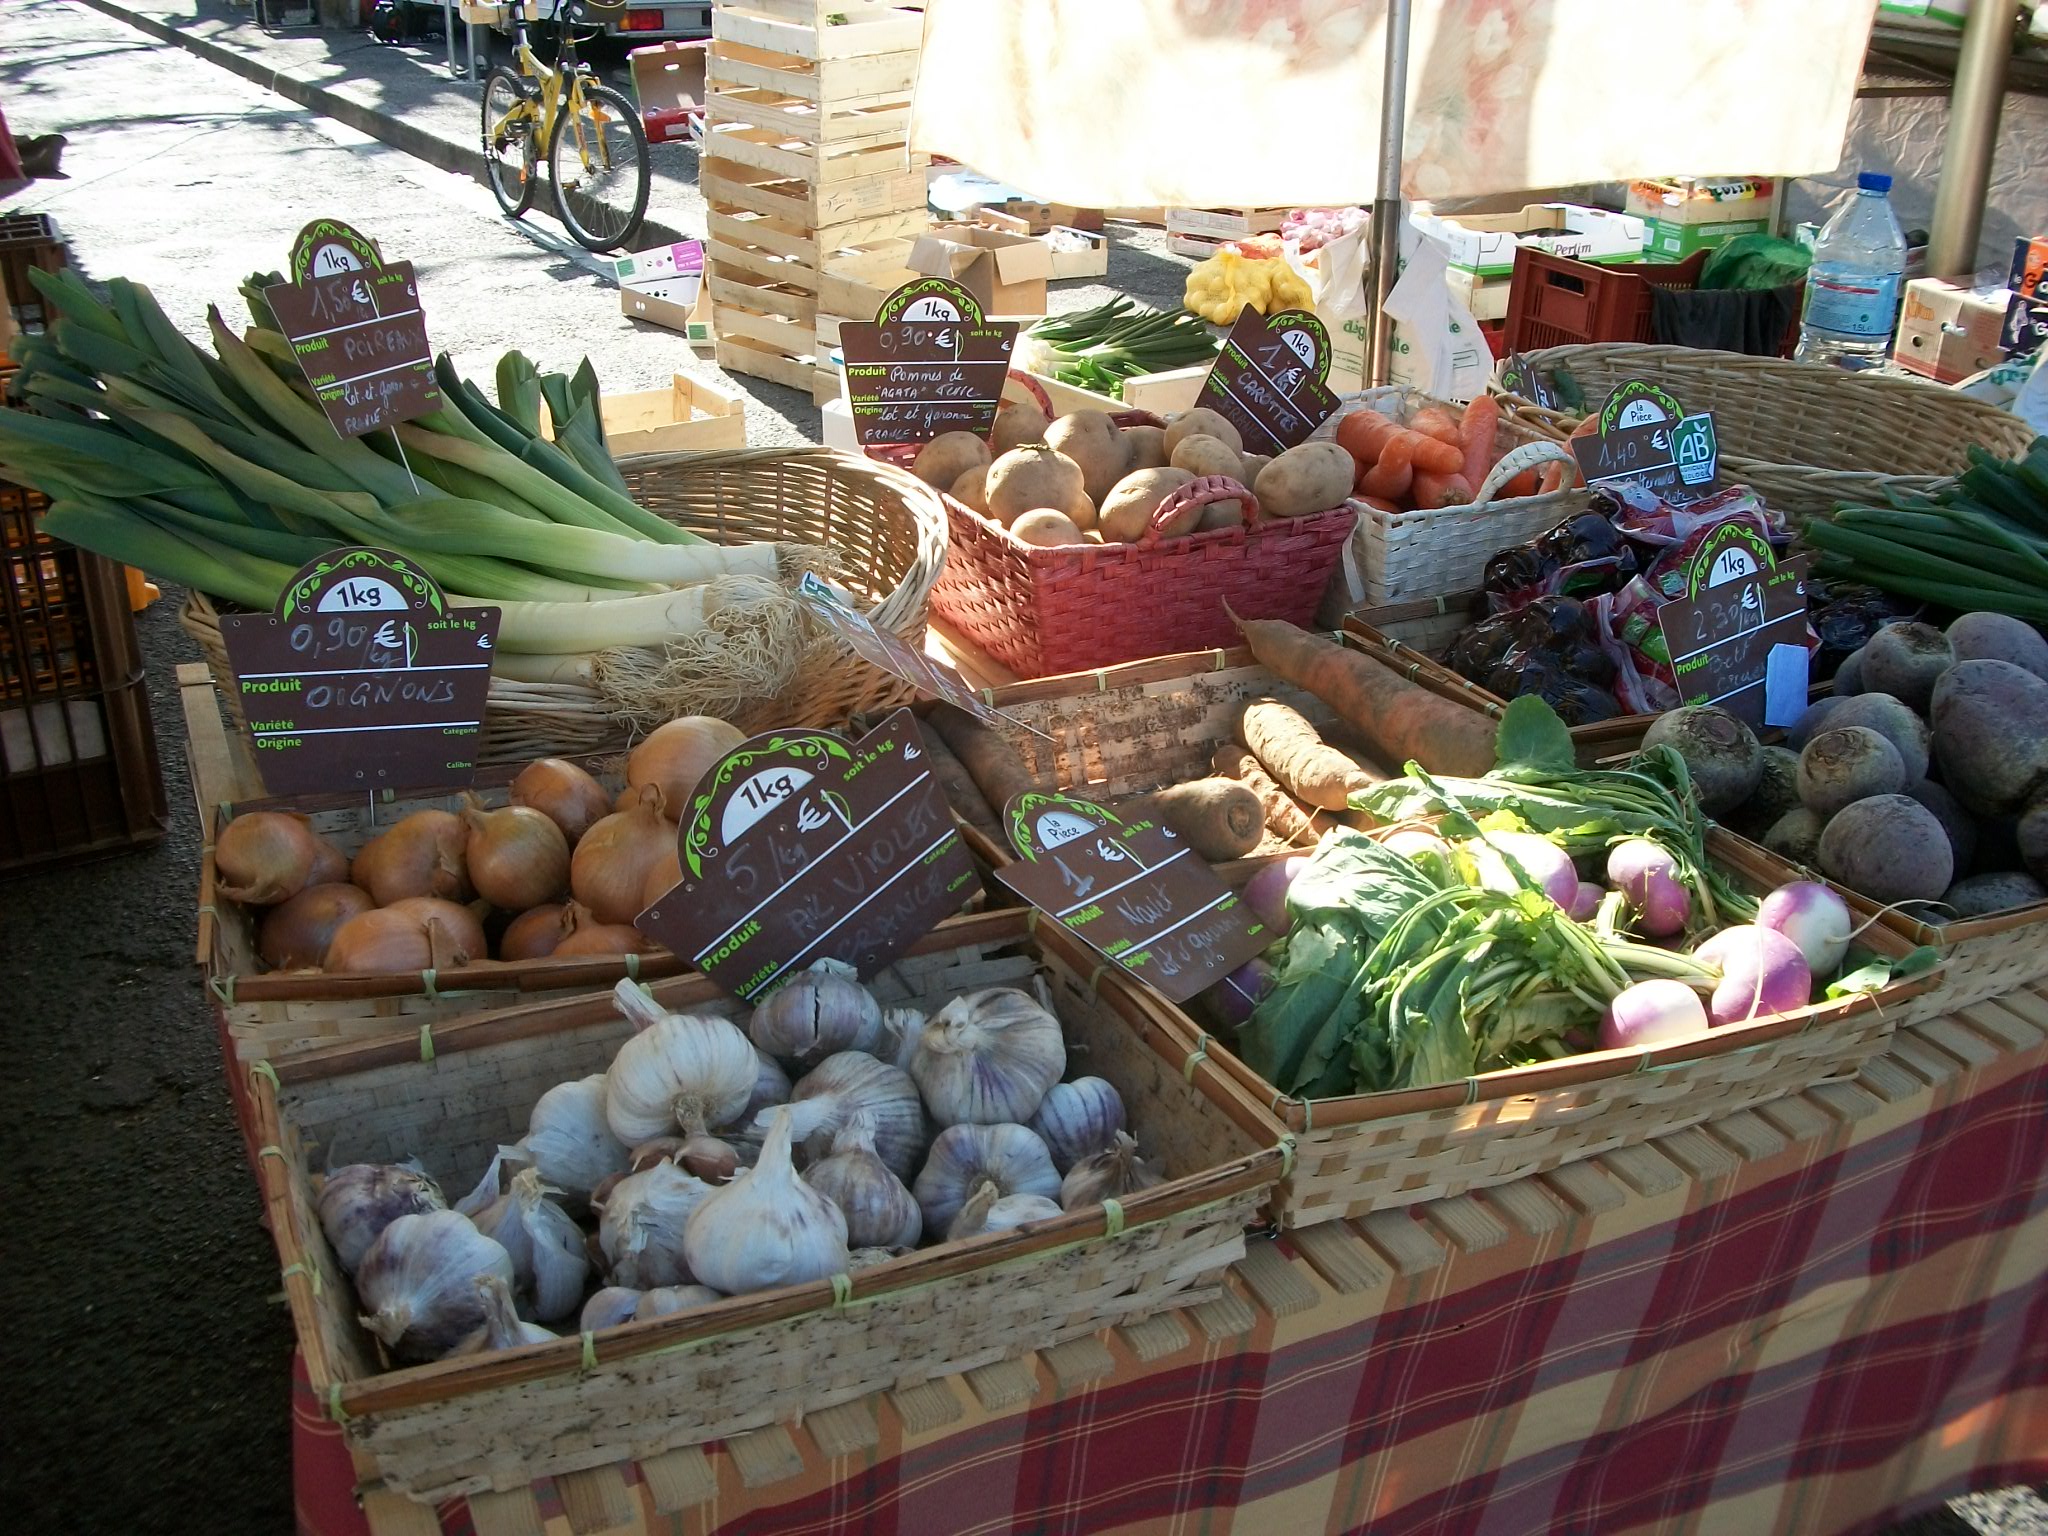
x,y
1205,103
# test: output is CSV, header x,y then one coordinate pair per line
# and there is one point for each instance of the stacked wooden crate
x,y
806,171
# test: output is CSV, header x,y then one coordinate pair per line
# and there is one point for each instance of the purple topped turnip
x,y
1542,862
1266,892
1814,918
1585,902
1763,974
1646,873
1652,1013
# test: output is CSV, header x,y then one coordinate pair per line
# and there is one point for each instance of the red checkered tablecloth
x,y
1813,1339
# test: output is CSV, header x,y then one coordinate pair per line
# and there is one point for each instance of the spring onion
x,y
1097,349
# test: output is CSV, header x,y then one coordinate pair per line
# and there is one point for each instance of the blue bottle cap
x,y
1873,181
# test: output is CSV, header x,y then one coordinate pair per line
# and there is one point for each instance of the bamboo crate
x,y
499,1421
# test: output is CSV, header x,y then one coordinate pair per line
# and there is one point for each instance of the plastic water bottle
x,y
1852,289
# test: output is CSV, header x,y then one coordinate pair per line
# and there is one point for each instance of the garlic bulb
x,y
1107,1176
361,1200
830,1093
503,1328
640,1231
549,1262
988,1058
418,1282
1008,1156
568,1140
664,1299
497,1178
867,1258
988,1209
677,1071
816,1014
771,1087
880,1212
902,1032
1078,1119
766,1228
607,1308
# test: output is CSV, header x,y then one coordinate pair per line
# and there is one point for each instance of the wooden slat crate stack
x,y
805,169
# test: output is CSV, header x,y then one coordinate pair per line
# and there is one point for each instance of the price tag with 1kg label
x,y
1268,381
928,363
1739,633
1644,436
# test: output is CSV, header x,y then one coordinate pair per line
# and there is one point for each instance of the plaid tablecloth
x,y
1815,1339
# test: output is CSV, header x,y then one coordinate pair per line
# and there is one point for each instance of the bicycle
x,y
590,135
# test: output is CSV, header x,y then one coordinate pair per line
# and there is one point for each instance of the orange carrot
x,y
1438,422
1524,484
1436,456
1363,434
1395,470
1381,503
1481,425
1433,491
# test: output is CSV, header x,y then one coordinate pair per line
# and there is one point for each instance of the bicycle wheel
x,y
511,116
598,161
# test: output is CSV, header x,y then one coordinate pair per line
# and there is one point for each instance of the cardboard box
x,y
1225,223
2029,277
1686,214
668,83
1485,243
1007,273
2026,326
1486,297
672,273
1949,330
692,320
1022,218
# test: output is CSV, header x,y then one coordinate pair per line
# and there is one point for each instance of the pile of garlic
x,y
708,1162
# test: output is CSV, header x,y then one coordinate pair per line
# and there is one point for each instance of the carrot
x,y
1439,422
1295,754
1382,503
1220,818
1481,425
1439,458
1434,491
1362,434
1285,818
1527,483
990,761
1557,477
1394,472
1398,721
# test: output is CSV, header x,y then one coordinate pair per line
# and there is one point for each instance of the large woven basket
x,y
888,529
1802,435
498,1421
1400,557
1131,729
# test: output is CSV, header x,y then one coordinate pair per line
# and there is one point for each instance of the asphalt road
x,y
145,1367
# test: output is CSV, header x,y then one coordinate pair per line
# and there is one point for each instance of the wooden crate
x,y
817,32
692,415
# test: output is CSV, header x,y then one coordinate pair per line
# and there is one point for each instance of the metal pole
x,y
1386,208
1973,111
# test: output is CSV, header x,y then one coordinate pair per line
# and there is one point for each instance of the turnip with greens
x,y
1889,848
1763,974
1904,660
1844,764
1991,734
1652,1013
1721,753
1981,895
1812,917
1999,637
1266,892
1586,902
1892,720
1415,843
1542,864
1236,995
1646,873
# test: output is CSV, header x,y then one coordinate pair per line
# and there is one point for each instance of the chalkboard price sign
x,y
364,678
1268,381
1644,437
856,863
1132,890
928,363
1721,638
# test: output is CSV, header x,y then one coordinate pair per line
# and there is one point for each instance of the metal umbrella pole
x,y
1386,207
1973,112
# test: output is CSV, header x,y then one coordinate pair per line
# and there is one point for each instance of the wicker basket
x,y
1801,435
498,1421
887,528
1400,557
1429,624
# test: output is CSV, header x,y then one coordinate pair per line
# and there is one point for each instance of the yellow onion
x,y
417,933
419,855
295,935
583,934
664,877
330,864
534,933
515,856
675,756
563,793
609,869
265,857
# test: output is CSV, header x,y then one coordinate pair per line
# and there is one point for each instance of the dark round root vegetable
x,y
1958,823
1843,765
1849,675
1991,734
1999,637
2032,835
1795,837
1722,754
1889,848
1814,720
1777,791
1981,895
1888,715
1904,660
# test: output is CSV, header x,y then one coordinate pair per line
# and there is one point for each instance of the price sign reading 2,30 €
x,y
357,329
928,363
841,851
364,678
1133,890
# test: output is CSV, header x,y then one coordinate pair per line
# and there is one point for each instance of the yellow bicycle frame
x,y
542,113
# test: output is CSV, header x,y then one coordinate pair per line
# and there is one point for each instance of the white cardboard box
x,y
1485,243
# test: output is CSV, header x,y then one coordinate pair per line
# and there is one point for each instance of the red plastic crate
x,y
1556,301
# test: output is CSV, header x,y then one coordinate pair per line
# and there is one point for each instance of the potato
x,y
1018,423
947,457
1144,448
1996,637
1082,511
971,489
1904,660
1891,719
1253,463
1309,477
1889,848
1047,528
1127,510
1991,734
1202,455
1206,422
1090,439
1849,763
1027,478
1221,514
